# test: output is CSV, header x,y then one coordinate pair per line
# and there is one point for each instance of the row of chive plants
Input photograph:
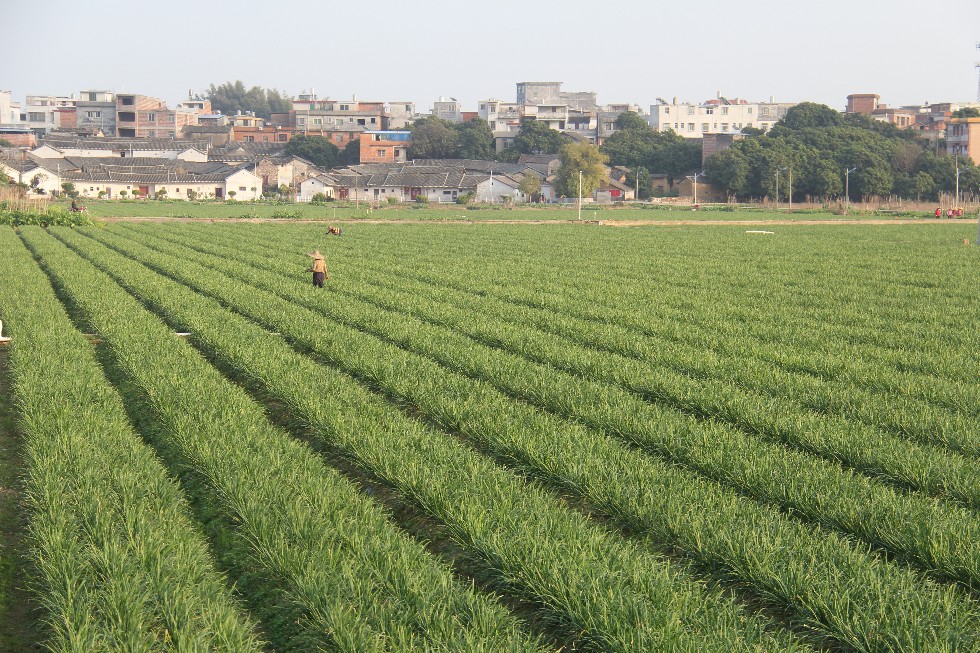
x,y
628,269
924,467
900,277
911,417
809,366
581,577
120,563
746,324
651,294
326,568
883,517
821,579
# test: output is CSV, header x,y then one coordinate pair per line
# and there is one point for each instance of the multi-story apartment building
x,y
400,114
538,93
500,115
449,110
314,115
40,111
141,116
718,116
9,110
95,112
963,138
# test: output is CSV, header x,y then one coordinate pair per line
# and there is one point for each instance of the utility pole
x,y
790,188
777,189
694,179
956,202
579,194
847,187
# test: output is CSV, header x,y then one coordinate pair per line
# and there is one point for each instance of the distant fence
x,y
17,199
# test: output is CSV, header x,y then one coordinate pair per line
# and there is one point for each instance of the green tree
x,y
537,138
809,115
351,154
728,170
316,149
580,157
433,138
966,112
231,97
475,140
820,177
637,145
530,185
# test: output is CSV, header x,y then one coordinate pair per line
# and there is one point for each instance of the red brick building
x,y
862,102
385,146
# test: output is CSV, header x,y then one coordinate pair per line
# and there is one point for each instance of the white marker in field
x,y
2,339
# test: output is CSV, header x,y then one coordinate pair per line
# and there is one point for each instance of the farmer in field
x,y
318,268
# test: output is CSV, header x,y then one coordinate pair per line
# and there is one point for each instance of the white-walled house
x,y
109,176
157,148
719,116
313,185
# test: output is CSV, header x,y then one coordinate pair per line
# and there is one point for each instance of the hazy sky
x,y
627,51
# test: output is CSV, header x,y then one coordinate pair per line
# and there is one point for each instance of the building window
x,y
709,111
749,110
408,108
249,139
724,111
345,107
690,111
704,126
317,121
281,138
242,188
33,116
381,151
152,117
724,126
690,126
667,111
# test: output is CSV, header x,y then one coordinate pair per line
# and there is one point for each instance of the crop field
x,y
486,437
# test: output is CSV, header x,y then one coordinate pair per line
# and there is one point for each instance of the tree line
x,y
828,153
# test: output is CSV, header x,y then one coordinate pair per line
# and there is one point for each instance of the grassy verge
x,y
454,212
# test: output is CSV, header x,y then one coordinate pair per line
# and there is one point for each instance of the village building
x,y
114,177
